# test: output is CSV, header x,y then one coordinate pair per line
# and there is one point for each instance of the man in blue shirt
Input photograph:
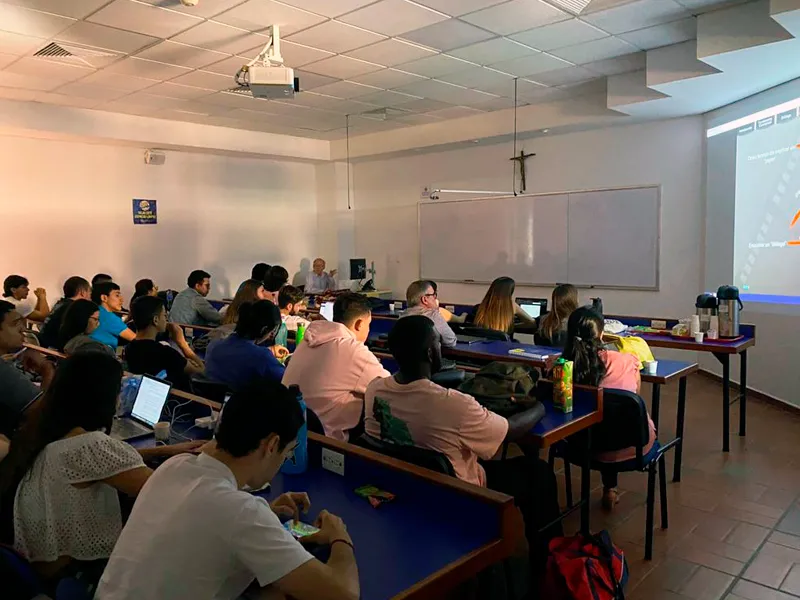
x,y
240,359
318,281
191,307
108,297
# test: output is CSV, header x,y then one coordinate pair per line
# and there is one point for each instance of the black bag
x,y
505,388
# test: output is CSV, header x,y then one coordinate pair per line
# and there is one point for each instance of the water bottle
x,y
301,333
297,462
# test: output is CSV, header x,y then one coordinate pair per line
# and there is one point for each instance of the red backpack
x,y
585,568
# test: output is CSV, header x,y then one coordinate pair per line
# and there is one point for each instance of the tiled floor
x,y
734,519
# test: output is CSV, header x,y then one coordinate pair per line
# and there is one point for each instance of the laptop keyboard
x,y
123,429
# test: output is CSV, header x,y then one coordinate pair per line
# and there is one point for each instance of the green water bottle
x,y
301,332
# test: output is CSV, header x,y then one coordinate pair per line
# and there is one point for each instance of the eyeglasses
x,y
431,295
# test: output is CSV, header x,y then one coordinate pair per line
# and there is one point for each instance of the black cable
x,y
513,165
347,133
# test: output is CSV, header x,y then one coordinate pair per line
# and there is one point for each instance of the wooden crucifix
x,y
521,160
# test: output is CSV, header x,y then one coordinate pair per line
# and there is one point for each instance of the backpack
x,y
585,568
504,388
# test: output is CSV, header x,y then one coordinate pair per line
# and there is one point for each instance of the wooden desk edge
x,y
568,429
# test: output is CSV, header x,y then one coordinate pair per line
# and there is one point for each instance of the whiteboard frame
x,y
655,186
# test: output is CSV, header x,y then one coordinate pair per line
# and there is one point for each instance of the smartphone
x,y
299,529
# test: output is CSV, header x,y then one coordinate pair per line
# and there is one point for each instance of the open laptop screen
x,y
533,307
326,310
150,400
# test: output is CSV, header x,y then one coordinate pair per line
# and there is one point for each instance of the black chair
x,y
449,379
208,388
480,332
421,457
313,422
625,424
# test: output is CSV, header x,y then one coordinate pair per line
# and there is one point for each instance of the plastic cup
x,y
698,337
651,367
161,430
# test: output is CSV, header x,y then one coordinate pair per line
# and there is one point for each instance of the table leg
x,y
743,395
655,406
676,474
586,474
726,400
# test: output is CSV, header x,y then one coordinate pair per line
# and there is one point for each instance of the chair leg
x,y
551,458
662,483
651,500
568,482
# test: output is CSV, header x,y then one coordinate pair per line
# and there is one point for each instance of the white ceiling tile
x,y
205,9
175,90
663,35
497,104
524,87
58,71
118,81
455,112
544,94
149,69
107,38
76,9
13,93
444,92
479,78
699,6
565,76
516,15
346,89
28,82
310,81
101,93
637,15
348,107
231,100
456,8
124,106
391,52
143,18
335,37
425,105
621,64
342,67
182,55
206,80
531,65
63,100
329,8
257,15
153,101
387,78
558,35
491,51
222,38
297,55
447,35
18,44
314,100
17,19
228,66
609,47
7,59
421,119
434,66
388,98
393,17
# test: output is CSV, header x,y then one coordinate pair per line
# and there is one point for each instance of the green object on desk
x,y
300,334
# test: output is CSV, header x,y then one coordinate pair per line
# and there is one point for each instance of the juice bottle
x,y
562,385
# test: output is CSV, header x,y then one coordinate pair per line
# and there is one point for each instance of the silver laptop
x,y
533,307
150,400
326,310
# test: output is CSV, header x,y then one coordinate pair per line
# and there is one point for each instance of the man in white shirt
x,y
195,534
17,292
318,281
423,299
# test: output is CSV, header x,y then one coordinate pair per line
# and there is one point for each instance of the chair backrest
x,y
481,332
449,379
209,389
313,422
421,457
625,422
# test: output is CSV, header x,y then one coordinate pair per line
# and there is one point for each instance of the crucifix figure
x,y
521,160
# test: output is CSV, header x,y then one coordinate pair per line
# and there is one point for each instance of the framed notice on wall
x,y
144,212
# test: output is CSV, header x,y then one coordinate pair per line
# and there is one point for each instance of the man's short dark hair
x,y
289,295
196,277
12,282
260,271
256,319
411,339
144,309
100,278
349,307
104,288
5,308
75,285
416,291
256,412
276,278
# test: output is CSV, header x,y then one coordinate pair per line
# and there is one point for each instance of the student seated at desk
x,y
291,301
101,278
423,299
251,290
258,272
75,288
110,328
498,309
595,366
144,287
410,409
147,355
333,367
552,330
64,471
318,281
81,320
191,307
196,534
276,278
240,359
17,292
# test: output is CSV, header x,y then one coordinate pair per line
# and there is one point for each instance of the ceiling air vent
x,y
76,55
383,114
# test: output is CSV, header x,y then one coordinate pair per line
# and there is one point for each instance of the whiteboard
x,y
597,238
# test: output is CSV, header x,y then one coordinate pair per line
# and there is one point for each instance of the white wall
x,y
67,209
669,153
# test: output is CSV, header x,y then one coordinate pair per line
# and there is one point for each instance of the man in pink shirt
x,y
410,409
333,367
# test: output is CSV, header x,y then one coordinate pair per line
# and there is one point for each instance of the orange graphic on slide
x,y
794,222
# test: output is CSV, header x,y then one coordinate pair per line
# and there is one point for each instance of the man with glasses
x,y
423,300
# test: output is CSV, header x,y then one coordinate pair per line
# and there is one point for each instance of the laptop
x,y
469,339
147,408
326,310
533,307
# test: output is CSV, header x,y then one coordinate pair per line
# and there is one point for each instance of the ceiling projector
x,y
266,76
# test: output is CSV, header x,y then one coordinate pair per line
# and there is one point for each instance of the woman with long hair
x,y
498,308
553,326
64,470
251,290
594,365
144,287
80,320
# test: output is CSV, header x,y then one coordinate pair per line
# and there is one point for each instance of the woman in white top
x,y
67,470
